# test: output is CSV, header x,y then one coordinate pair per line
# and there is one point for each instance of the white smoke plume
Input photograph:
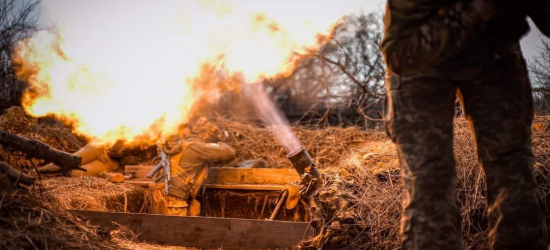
x,y
272,116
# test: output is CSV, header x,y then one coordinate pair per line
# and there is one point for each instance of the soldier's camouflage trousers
x,y
497,99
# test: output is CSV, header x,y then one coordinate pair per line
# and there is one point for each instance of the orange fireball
x,y
125,70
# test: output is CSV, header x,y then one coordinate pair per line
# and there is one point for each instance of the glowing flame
x,y
127,69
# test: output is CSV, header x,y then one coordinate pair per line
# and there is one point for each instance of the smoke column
x,y
272,116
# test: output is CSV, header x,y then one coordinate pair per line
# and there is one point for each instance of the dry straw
x,y
371,160
365,160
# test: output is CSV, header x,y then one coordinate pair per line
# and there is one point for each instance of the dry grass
x,y
47,130
326,146
365,160
95,194
371,160
27,222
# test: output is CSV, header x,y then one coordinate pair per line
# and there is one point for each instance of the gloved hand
x,y
51,168
172,145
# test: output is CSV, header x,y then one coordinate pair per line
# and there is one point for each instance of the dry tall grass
x,y
366,159
371,159
27,221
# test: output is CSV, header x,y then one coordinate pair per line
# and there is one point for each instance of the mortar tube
x,y
301,161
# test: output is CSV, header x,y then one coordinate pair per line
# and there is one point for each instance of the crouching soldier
x,y
200,148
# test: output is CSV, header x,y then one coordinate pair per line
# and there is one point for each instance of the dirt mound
x,y
27,222
326,146
35,218
95,194
47,130
367,165
371,218
363,164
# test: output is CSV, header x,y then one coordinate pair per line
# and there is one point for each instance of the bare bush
x,y
342,83
18,19
540,75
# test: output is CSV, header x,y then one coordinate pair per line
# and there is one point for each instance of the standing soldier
x,y
435,50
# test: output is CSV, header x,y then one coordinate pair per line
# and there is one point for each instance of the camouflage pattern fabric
x,y
498,102
177,206
490,77
414,36
190,171
420,34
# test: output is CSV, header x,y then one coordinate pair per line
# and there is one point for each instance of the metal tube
x,y
302,162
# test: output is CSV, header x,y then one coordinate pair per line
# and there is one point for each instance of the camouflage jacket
x,y
424,33
198,153
195,156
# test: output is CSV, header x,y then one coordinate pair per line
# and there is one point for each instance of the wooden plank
x,y
227,176
206,232
140,183
271,176
259,187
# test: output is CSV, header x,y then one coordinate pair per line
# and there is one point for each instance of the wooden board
x,y
205,232
270,176
221,176
141,183
258,187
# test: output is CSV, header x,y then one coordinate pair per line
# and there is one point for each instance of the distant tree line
x,y
18,20
343,82
540,76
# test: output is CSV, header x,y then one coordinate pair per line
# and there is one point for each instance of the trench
x,y
235,207
220,203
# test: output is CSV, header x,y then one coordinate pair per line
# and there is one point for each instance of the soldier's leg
x,y
195,205
194,208
88,154
420,121
102,164
500,106
177,206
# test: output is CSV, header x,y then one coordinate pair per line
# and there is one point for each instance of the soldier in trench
x,y
436,50
192,152
198,150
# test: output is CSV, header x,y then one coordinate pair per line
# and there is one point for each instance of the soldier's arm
x,y
218,152
423,33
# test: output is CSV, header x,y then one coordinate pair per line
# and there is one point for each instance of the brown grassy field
x,y
364,161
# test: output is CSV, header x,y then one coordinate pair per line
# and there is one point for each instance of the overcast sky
x,y
530,43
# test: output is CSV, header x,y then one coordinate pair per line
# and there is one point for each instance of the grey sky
x,y
530,43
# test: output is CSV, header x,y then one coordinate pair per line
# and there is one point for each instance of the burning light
x,y
127,69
